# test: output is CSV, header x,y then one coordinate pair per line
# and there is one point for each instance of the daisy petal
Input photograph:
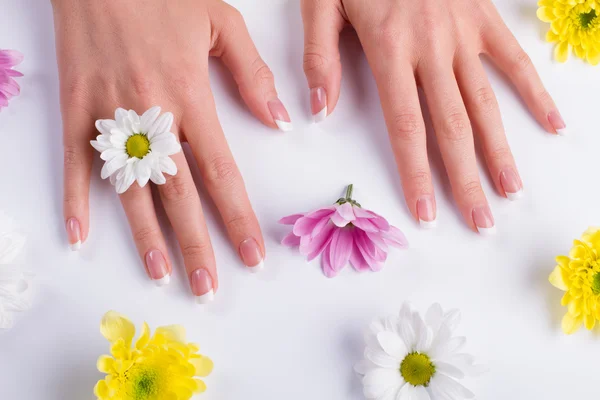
x,y
168,166
449,369
166,147
161,125
143,171
383,378
450,387
157,177
148,119
392,344
381,359
113,165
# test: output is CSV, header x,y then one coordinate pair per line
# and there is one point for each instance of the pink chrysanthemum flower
x,y
8,86
342,233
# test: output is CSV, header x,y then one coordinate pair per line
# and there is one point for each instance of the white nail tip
x,y
562,132
257,268
163,281
320,116
514,196
428,224
487,231
206,298
284,126
75,246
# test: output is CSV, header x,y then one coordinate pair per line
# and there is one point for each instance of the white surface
x,y
288,332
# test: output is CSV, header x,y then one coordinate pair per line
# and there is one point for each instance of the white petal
x,y
407,332
434,316
364,366
126,179
391,393
166,147
381,359
118,138
420,393
16,296
101,143
466,363
148,119
161,125
378,381
102,128
448,369
120,115
452,319
392,344
6,319
157,177
10,247
167,165
450,387
143,170
425,340
110,167
111,153
113,179
133,117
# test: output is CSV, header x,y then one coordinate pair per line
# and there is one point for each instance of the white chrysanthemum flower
x,y
136,148
411,358
15,293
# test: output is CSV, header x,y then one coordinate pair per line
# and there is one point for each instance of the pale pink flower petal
x,y
317,245
305,226
326,264
291,240
340,248
366,225
395,237
290,219
8,86
321,212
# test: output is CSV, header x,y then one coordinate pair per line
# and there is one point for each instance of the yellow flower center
x,y
137,145
417,369
587,19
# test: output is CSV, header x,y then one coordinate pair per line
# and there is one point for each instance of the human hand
x,y
155,52
434,44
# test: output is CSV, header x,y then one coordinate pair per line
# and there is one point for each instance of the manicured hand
x,y
138,54
435,45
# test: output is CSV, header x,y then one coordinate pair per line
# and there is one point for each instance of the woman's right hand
x,y
155,52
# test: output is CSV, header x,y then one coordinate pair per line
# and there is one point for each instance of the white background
x,y
289,332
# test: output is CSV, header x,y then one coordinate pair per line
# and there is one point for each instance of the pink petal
x,y
366,225
346,211
326,265
321,212
367,247
357,260
291,240
319,226
290,219
380,222
395,237
10,58
362,213
304,226
13,73
3,100
340,248
377,239
319,243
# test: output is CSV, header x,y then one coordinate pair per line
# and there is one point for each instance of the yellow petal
x,y
546,14
566,299
144,337
201,386
105,364
174,333
203,365
571,324
561,52
101,390
593,57
589,321
552,37
556,279
115,326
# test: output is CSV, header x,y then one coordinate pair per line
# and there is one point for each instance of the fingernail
x,y
426,212
557,123
157,268
74,234
484,220
280,115
202,286
511,184
318,104
252,255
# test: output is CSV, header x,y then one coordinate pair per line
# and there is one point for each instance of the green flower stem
x,y
349,191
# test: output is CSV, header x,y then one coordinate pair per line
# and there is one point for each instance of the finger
x,y
78,155
182,204
484,113
323,23
224,181
455,139
254,78
400,102
505,51
139,208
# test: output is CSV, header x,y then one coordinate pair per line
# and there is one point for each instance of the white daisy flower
x,y
136,148
15,285
411,358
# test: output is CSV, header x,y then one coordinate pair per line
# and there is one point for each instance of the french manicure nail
x,y
484,221
511,184
318,104
426,212
557,123
280,115
202,286
74,234
252,255
157,268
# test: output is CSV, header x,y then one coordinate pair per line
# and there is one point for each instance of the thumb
x,y
323,22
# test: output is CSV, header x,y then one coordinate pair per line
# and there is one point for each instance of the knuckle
x,y
407,126
177,190
76,92
141,85
196,250
485,99
72,159
239,221
522,61
500,153
389,33
545,97
419,179
222,172
313,59
262,73
145,234
71,202
472,189
457,127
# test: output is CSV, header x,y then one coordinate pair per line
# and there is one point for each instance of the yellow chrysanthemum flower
x,y
579,276
575,25
161,367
